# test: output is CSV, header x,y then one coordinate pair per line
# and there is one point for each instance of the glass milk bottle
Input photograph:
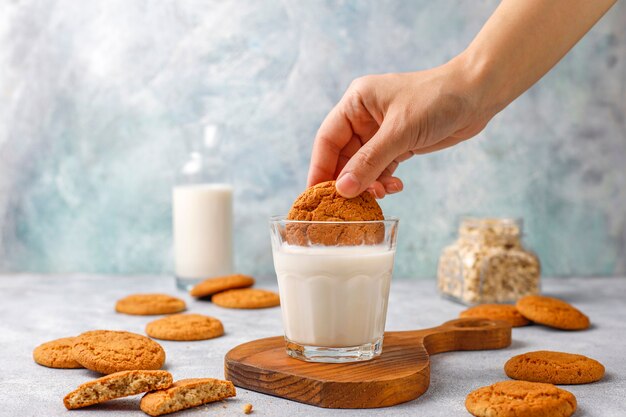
x,y
202,214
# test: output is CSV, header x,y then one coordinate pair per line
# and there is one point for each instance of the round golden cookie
x,y
109,351
554,368
56,354
212,286
150,304
552,312
505,312
520,398
185,327
322,203
246,298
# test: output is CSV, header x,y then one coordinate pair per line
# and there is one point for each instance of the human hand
x,y
383,120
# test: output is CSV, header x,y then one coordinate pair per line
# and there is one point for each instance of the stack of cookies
x,y
103,351
534,392
539,309
233,291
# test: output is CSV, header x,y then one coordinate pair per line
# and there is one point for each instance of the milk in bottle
x,y
202,214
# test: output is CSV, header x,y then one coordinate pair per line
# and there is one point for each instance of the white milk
x,y
334,296
203,231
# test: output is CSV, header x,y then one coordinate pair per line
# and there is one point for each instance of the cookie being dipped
x,y
322,204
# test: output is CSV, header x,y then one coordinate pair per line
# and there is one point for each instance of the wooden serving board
x,y
401,373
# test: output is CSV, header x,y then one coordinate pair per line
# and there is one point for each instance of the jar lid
x,y
490,229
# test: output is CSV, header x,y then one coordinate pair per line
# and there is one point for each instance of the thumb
x,y
365,166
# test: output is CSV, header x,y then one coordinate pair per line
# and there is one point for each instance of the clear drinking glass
x,y
334,280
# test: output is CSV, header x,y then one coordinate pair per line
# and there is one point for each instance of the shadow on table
x,y
581,411
517,344
607,379
573,295
121,404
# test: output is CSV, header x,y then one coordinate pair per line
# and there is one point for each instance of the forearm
x,y
523,40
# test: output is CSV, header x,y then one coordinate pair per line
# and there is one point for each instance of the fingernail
x,y
372,191
348,185
393,188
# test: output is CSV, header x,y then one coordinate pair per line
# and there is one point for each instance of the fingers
x,y
377,189
347,152
385,185
392,184
367,164
349,124
391,168
332,136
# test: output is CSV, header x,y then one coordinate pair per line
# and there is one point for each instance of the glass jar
x,y
488,263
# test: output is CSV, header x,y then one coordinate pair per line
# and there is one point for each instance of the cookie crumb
x,y
247,408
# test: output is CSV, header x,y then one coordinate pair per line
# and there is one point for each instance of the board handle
x,y
464,334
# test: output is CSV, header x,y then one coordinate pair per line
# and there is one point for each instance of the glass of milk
x,y
334,280
202,214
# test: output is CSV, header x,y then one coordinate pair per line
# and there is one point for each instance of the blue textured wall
x,y
97,98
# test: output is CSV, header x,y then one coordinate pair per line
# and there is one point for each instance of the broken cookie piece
x,y
186,393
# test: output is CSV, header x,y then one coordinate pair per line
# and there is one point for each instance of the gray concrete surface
x,y
37,308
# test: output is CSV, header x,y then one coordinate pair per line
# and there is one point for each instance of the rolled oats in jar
x,y
488,263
